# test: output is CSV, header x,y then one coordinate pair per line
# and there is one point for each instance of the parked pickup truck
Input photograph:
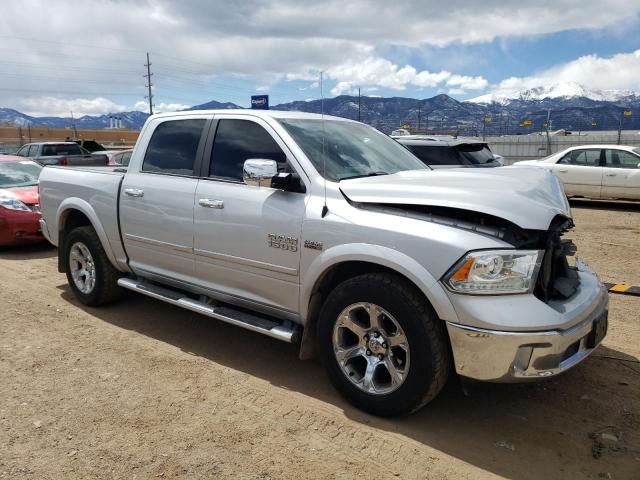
x,y
61,153
326,233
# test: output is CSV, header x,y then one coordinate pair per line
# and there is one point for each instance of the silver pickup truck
x,y
327,233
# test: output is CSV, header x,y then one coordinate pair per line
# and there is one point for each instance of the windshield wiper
x,y
370,174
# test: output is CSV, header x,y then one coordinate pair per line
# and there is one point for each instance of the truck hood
x,y
528,197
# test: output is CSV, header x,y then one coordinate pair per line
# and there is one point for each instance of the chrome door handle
x,y
134,192
205,202
563,171
611,174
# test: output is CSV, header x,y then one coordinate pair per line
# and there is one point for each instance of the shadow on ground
x,y
621,206
28,252
525,431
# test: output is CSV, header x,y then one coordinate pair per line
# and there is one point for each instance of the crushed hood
x,y
528,197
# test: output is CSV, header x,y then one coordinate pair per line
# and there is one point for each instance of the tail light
x,y
63,161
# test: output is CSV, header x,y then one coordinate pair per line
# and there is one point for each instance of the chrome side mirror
x,y
259,172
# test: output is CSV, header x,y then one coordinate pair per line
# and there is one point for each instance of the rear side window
x,y
60,149
240,140
435,155
32,151
476,153
621,159
173,147
585,158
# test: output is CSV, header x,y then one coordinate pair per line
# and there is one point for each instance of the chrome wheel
x,y
371,348
82,268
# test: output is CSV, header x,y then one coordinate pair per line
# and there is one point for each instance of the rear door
x,y
156,200
247,238
621,178
581,172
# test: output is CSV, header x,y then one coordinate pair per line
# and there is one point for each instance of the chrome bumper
x,y
512,356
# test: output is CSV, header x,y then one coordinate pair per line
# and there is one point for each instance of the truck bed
x,y
96,187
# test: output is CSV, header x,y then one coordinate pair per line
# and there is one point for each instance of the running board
x,y
225,313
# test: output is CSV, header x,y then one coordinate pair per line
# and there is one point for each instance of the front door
x,y
621,177
156,201
580,172
247,238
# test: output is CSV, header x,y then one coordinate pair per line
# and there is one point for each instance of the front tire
x,y
90,274
382,344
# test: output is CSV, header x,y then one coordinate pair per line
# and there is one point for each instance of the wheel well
x,y
69,220
325,284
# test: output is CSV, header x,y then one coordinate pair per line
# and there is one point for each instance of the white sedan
x,y
596,171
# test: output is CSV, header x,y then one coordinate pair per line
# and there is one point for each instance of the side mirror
x,y
259,172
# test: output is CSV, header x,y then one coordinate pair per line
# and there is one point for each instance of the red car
x,y
19,201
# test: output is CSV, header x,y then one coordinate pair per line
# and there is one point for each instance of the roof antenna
x,y
325,209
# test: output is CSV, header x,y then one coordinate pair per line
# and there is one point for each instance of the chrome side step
x,y
225,313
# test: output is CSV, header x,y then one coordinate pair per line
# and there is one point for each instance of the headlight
x,y
494,272
13,204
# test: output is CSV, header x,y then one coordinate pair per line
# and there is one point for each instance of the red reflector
x,y
63,161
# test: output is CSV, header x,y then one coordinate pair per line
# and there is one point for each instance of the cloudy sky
x,y
88,56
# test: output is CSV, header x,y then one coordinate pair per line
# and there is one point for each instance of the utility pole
x,y
359,104
73,124
419,114
548,128
149,84
620,126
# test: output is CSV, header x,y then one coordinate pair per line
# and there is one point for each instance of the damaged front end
x,y
556,278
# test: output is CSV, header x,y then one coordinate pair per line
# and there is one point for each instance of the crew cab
x,y
326,233
61,153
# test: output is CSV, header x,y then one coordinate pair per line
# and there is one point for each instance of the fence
x,y
11,138
526,147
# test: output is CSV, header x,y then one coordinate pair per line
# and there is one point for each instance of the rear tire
x,y
91,276
396,363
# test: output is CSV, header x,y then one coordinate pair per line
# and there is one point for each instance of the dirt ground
x,y
145,390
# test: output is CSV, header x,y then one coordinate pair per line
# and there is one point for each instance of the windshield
x,y
19,174
476,154
350,149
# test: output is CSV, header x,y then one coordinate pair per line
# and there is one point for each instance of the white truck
x,y
326,233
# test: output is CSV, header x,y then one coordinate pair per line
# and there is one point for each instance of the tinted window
x,y
435,155
476,153
60,149
173,147
585,158
621,159
240,140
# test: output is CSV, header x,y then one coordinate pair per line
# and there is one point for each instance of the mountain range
x,y
571,106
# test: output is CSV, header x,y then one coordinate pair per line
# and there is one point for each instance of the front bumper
x,y
512,356
17,227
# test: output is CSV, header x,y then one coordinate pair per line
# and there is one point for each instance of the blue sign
x,y
260,102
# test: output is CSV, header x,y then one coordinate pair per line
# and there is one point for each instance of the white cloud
x,y
143,106
379,72
62,107
620,71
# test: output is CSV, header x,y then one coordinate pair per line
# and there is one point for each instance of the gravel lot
x,y
145,390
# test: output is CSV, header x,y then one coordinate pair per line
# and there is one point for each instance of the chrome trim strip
x,y
158,243
246,261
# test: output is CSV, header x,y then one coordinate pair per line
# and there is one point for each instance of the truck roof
x,y
256,113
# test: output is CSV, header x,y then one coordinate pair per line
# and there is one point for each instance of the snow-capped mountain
x,y
563,90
